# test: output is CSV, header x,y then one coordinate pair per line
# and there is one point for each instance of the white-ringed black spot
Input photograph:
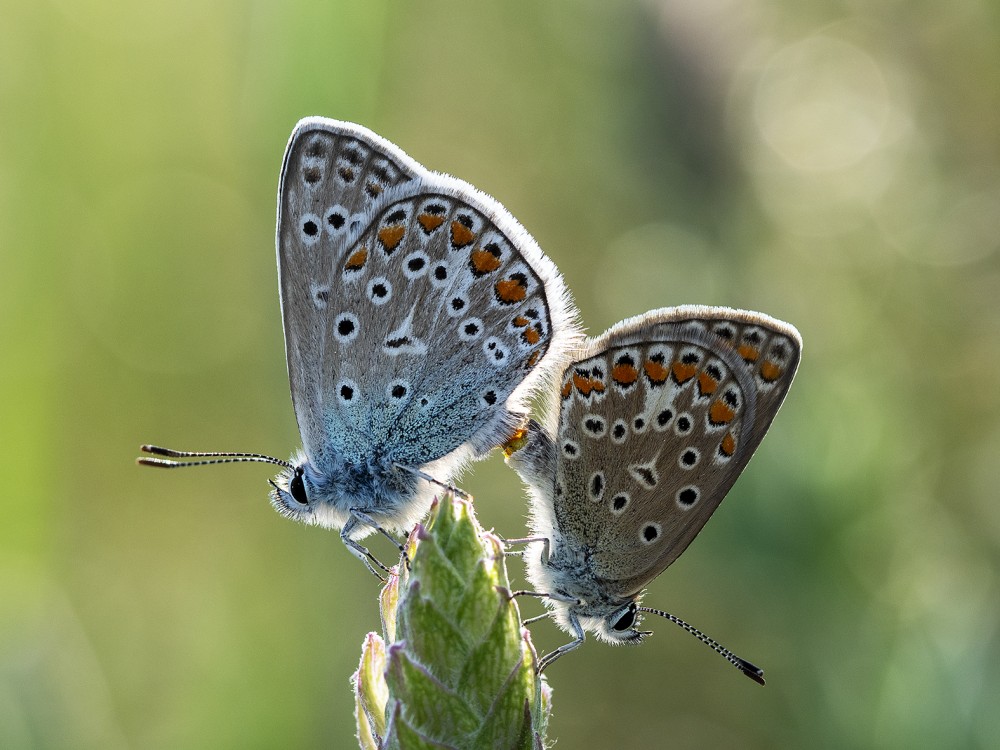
x,y
456,305
639,425
619,503
315,147
596,486
336,219
570,449
379,290
346,391
309,229
683,424
650,533
398,389
381,171
496,352
470,329
689,458
664,418
724,331
398,342
320,295
440,273
353,155
415,265
644,474
687,496
594,425
490,398
345,327
619,432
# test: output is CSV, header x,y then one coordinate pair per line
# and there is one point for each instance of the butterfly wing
x,y
333,172
657,421
421,327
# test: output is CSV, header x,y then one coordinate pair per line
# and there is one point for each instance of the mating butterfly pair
x,y
420,317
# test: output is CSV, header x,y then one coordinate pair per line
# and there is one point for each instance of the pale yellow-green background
x,y
835,164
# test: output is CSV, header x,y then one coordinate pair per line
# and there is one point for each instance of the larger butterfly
x,y
655,422
418,316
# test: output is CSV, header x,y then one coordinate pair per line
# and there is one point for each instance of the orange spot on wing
x,y
357,260
568,387
484,262
461,235
597,385
748,352
532,336
721,412
582,383
520,321
390,237
707,384
683,372
430,222
728,446
770,371
533,359
655,371
511,290
624,374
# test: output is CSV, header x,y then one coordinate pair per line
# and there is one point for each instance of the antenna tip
x,y
755,673
143,461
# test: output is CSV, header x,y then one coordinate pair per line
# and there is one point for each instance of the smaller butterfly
x,y
419,316
656,420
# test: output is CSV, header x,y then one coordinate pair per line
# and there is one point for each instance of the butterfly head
x,y
613,622
618,626
291,494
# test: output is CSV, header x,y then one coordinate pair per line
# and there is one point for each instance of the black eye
x,y
625,621
297,488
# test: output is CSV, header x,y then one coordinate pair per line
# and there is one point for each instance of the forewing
x,y
333,174
657,422
417,311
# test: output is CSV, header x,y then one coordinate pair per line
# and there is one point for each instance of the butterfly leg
x,y
542,595
546,660
526,540
428,478
367,520
356,549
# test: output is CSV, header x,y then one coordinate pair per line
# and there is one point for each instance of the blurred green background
x,y
834,164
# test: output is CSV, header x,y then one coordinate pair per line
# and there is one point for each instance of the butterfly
x,y
419,316
654,422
